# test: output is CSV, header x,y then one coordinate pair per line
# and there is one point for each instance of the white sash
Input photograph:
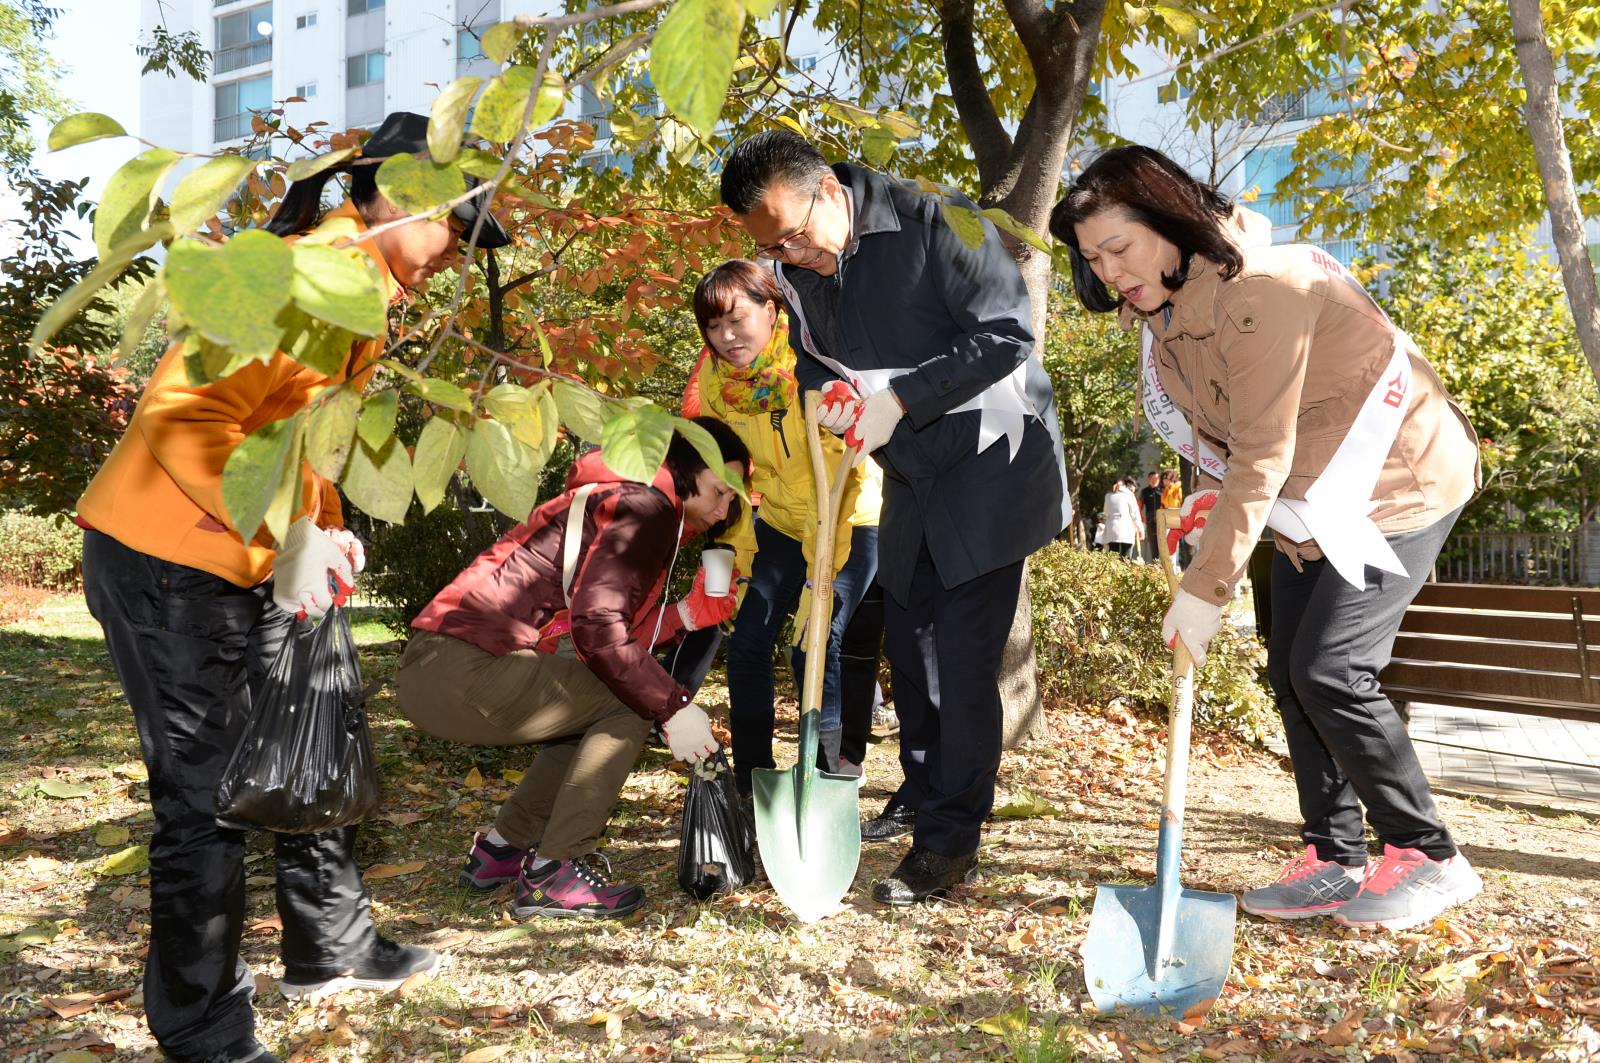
x,y
1002,407
1337,509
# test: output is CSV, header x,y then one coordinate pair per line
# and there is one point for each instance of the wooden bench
x,y
1531,650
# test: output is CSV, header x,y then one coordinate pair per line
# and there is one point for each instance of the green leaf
x,y
341,287
501,39
314,344
478,163
109,269
448,118
545,353
1006,1024
34,936
418,186
1003,220
134,860
232,294
129,196
758,9
634,442
1024,804
254,471
206,191
582,410
331,431
378,481
440,448
290,495
503,468
552,96
706,446
878,144
83,127
549,417
109,835
62,790
692,57
499,113
966,223
300,169
443,393
139,318
1182,22
519,409
377,417
899,123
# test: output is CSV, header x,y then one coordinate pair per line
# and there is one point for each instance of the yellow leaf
x,y
133,860
1005,1024
377,871
109,835
512,775
474,779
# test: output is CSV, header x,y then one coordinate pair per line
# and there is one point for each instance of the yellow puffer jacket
x,y
782,467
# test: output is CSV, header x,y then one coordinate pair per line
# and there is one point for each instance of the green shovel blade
x,y
808,829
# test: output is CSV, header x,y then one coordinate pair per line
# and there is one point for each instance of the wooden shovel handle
x,y
830,499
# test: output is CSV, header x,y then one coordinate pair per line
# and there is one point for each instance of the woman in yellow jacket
x,y
193,616
746,378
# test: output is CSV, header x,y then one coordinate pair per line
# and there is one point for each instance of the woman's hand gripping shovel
x,y
808,827
1162,949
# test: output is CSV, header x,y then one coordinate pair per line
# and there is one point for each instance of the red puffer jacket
x,y
510,597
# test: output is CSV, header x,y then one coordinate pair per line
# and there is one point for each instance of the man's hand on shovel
x,y
1195,621
865,424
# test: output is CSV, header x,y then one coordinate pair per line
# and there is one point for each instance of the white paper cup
x,y
717,561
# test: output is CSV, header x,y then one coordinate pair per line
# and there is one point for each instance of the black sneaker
x,y
385,966
245,1050
895,821
924,874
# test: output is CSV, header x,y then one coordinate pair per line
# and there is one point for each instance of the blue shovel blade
x,y
1120,963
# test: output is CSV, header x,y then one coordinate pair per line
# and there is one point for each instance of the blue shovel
x,y
1163,950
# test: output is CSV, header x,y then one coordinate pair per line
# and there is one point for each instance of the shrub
x,y
1097,630
43,552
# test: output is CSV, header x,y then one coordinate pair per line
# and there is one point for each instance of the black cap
x,y
405,131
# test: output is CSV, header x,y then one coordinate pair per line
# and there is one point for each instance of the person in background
x,y
1171,489
1124,526
1326,424
194,615
548,637
1149,502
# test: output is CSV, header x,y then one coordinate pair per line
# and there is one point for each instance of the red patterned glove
x,y
701,610
840,407
1196,510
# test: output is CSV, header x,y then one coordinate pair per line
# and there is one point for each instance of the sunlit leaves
x,y
634,442
582,411
449,118
440,449
341,287
314,344
504,469
500,40
378,412
1006,222
692,57
232,294
331,431
300,169
499,113
378,479
418,186
256,468
443,393
130,194
519,409
82,128
203,193
965,221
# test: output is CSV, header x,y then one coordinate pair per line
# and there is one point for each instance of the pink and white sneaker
x,y
490,865
1308,887
1406,889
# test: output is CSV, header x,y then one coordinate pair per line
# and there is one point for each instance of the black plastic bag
x,y
304,762
716,850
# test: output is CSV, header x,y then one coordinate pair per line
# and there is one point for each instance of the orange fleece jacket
x,y
160,491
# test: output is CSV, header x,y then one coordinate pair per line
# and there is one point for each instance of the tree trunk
x,y
1555,169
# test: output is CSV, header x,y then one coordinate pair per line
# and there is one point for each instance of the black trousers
x,y
189,648
859,652
1350,747
944,647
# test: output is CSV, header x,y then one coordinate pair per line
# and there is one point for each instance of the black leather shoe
x,y
923,874
247,1050
895,821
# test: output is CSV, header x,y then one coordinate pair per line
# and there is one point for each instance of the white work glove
x,y
1194,621
839,408
689,736
306,559
346,540
1194,513
875,423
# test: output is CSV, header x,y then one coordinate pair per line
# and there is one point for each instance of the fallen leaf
x,y
270,922
512,775
132,772
1325,969
134,860
76,1055
1343,1033
474,779
65,791
109,836
486,1054
405,819
412,985
1025,805
37,934
378,871
1005,1024
75,1004
493,1011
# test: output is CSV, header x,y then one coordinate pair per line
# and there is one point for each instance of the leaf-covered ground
x,y
994,974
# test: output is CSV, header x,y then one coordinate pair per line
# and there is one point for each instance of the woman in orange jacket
x,y
193,616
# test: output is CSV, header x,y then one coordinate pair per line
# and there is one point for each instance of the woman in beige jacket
x,y
1308,411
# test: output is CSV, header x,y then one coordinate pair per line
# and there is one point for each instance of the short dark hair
x,y
773,155
717,290
1156,192
685,464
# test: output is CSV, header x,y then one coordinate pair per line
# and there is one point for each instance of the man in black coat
x,y
1149,502
921,347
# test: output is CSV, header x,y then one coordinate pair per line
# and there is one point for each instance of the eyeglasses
x,y
798,240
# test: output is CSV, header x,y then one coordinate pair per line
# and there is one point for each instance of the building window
x,y
1172,92
244,38
469,44
806,63
308,91
361,7
236,102
366,69
306,21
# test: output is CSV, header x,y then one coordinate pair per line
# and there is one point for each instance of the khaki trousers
x,y
455,691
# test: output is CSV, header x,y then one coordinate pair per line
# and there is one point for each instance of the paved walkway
x,y
1506,755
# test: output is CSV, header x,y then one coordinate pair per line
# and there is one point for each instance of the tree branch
x,y
991,144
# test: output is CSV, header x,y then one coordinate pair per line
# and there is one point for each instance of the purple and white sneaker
x,y
574,888
490,865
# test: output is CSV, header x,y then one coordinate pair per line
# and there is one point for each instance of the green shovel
x,y
808,827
